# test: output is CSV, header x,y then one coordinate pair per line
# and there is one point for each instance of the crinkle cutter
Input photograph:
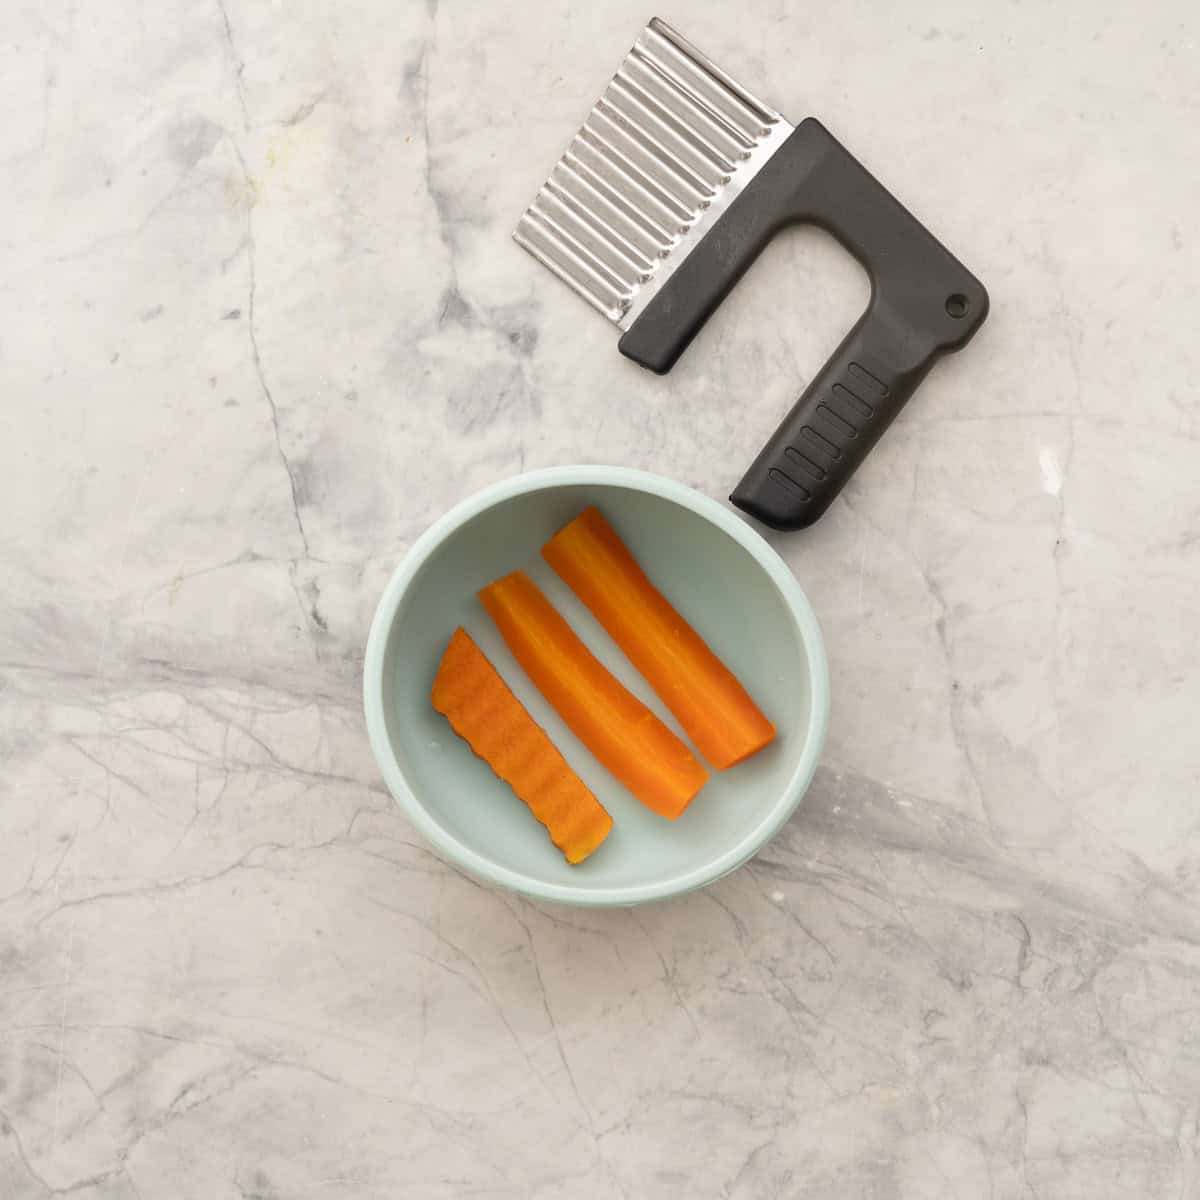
x,y
676,181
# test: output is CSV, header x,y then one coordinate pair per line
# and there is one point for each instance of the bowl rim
x,y
704,506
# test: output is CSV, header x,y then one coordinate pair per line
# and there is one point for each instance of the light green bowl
x,y
719,573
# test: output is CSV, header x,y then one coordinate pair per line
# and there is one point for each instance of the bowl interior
x,y
716,583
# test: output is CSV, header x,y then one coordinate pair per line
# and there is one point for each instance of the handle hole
x,y
957,305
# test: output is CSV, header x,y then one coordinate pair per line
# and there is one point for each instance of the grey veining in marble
x,y
262,321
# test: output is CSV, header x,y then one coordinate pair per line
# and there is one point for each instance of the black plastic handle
x,y
924,302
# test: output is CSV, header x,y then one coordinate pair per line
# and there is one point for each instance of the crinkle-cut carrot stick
x,y
611,721
469,692
705,696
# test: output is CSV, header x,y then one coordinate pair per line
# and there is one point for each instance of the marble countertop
x,y
262,322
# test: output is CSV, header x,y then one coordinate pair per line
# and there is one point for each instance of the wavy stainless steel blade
x,y
663,153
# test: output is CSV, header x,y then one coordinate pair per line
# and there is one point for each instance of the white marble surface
x,y
261,322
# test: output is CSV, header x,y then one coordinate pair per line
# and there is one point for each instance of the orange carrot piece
x,y
610,720
469,692
705,696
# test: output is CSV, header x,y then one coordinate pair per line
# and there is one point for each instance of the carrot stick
x,y
469,692
611,721
706,698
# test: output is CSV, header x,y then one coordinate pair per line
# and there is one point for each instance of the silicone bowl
x,y
720,574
